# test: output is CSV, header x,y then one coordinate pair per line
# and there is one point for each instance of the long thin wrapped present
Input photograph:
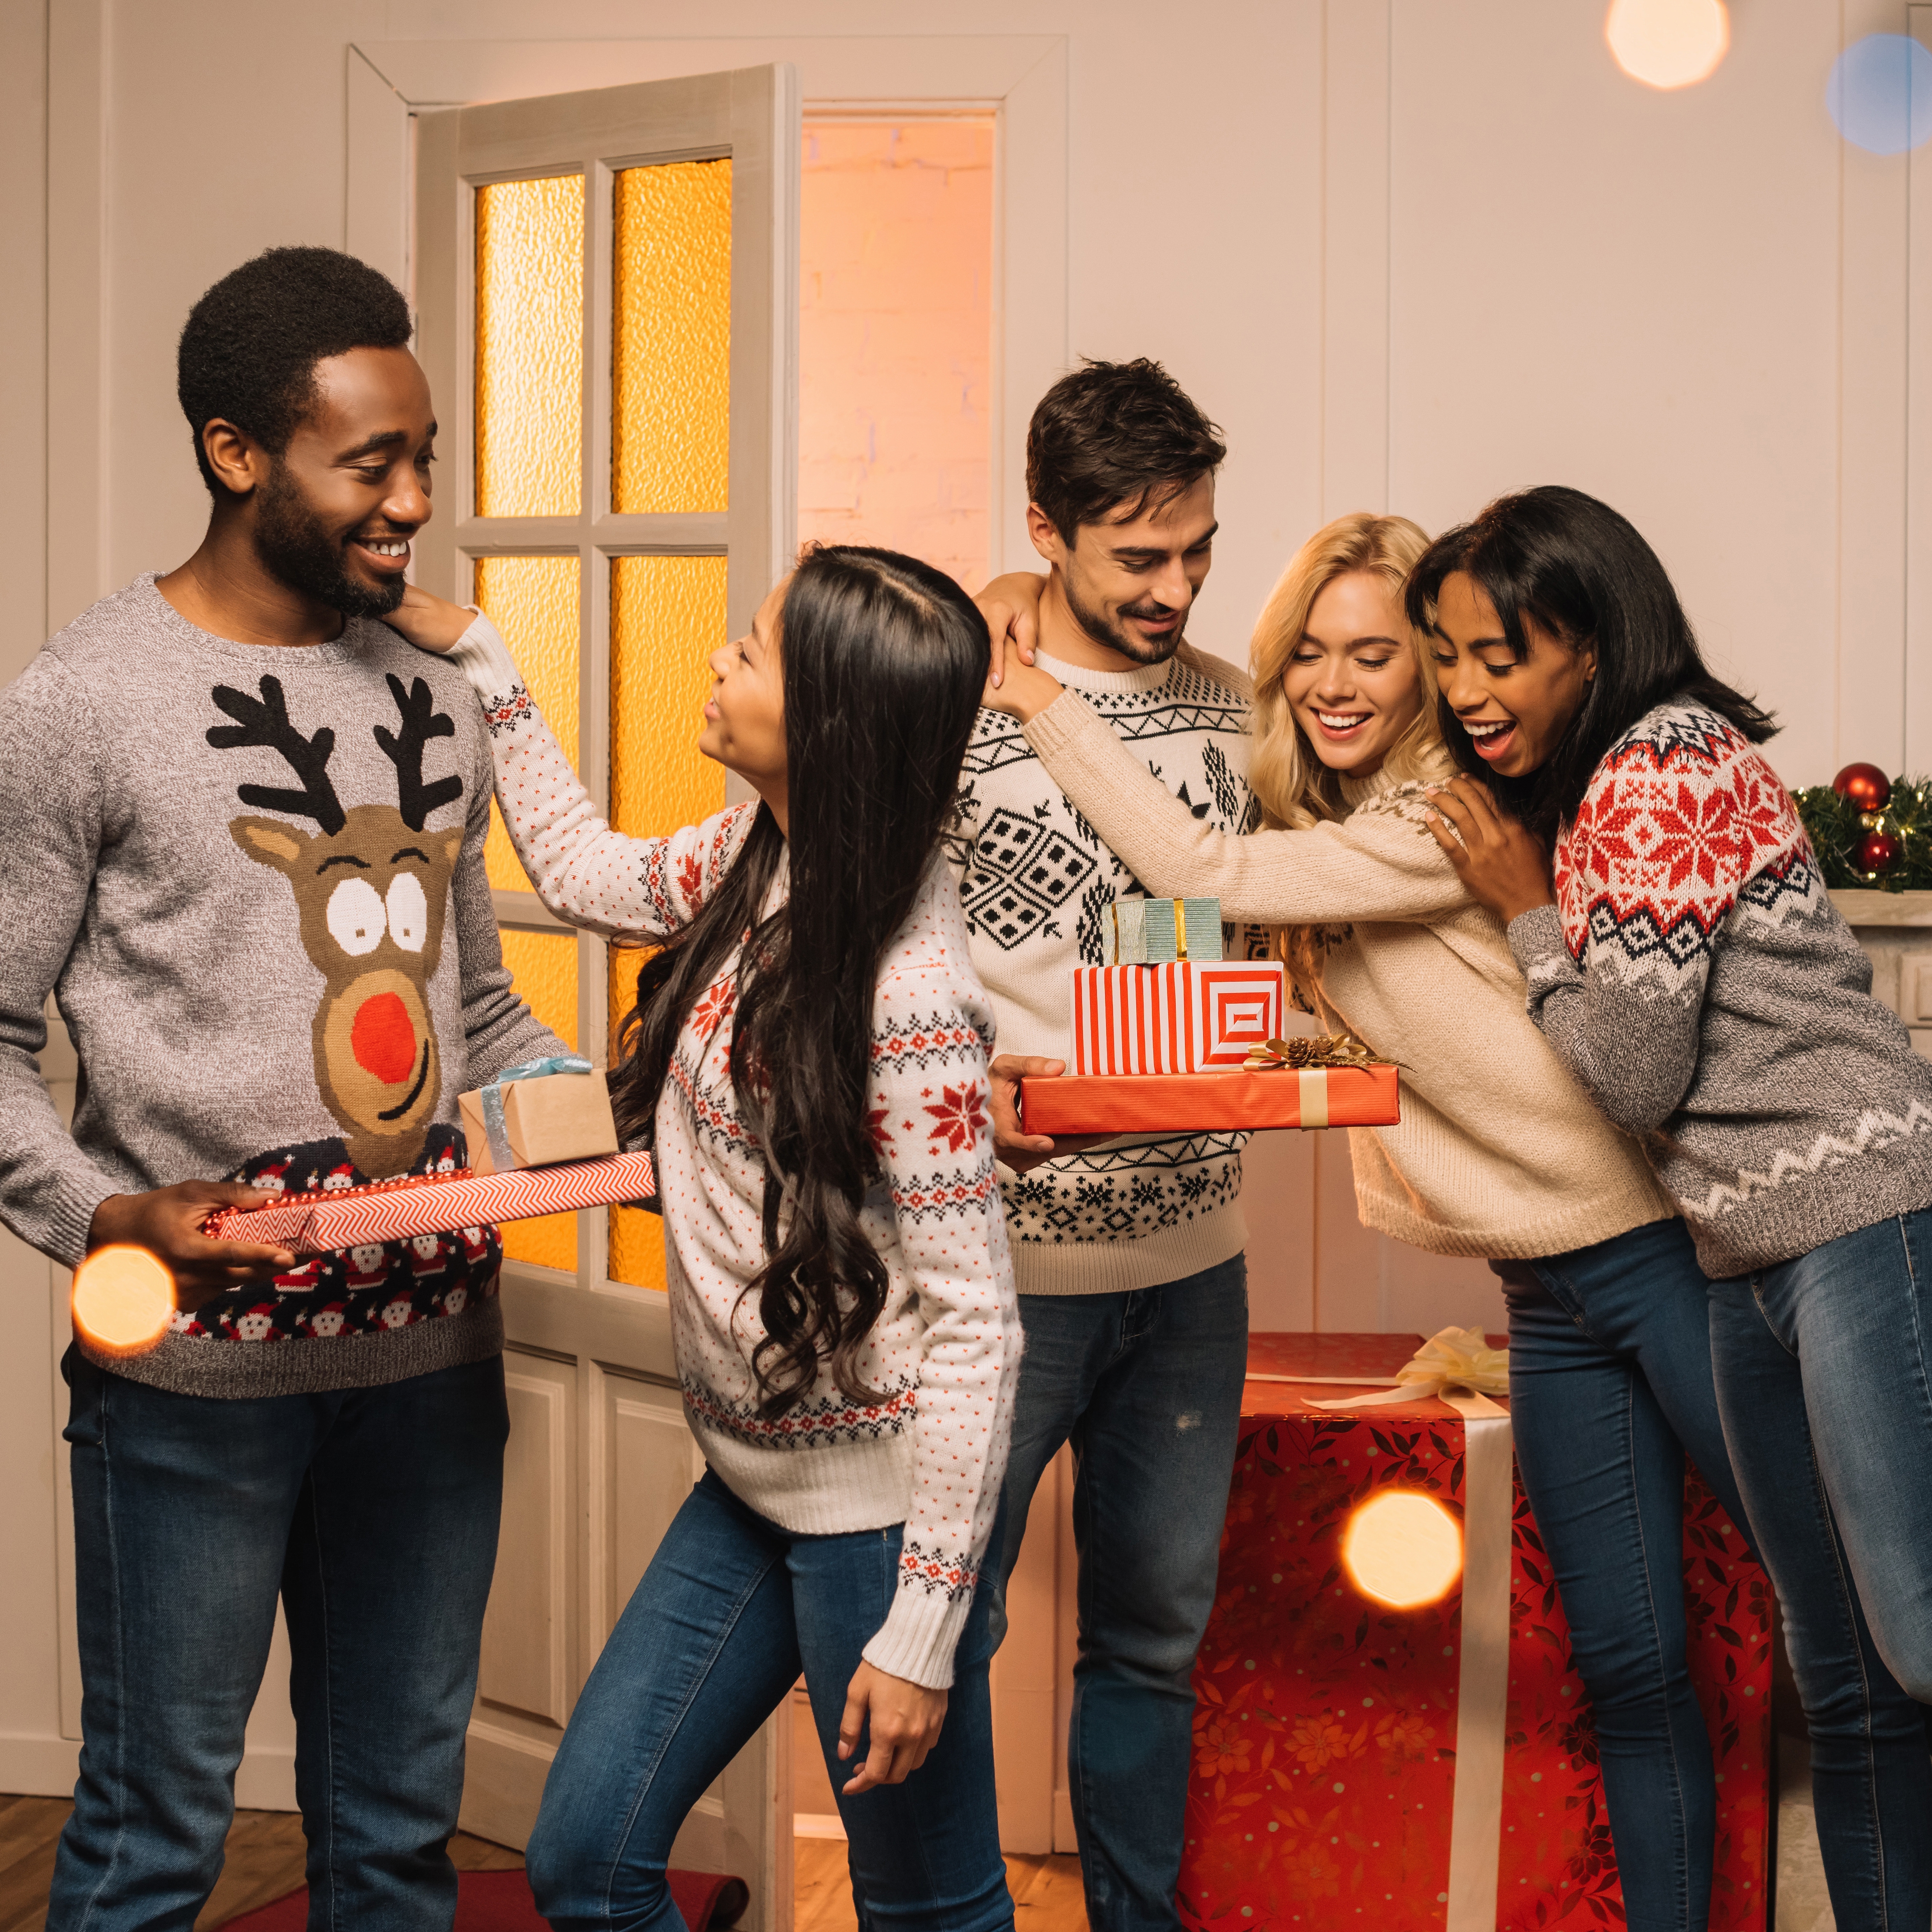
x,y
425,1204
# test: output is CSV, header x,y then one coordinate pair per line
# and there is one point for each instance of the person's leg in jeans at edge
x,y
1610,1386
731,1609
1824,1368
1146,1387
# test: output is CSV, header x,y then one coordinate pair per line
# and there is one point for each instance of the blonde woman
x,y
1499,1154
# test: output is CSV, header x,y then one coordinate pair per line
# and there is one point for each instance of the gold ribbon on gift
x,y
1457,1366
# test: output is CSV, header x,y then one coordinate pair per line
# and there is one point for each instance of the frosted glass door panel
x,y
670,371
534,603
530,347
543,970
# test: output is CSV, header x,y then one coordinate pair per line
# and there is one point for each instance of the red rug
x,y
500,1901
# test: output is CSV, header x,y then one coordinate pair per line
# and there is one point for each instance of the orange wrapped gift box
x,y
1307,1097
425,1204
1331,1780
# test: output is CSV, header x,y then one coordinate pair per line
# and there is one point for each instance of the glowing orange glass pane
x,y
543,967
637,1251
671,362
530,347
533,602
666,617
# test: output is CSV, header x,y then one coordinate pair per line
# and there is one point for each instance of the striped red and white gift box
x,y
393,1211
1187,1016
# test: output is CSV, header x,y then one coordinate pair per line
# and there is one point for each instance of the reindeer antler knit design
x,y
421,721
265,721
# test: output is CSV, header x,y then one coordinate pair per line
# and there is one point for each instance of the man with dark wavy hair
x,y
243,851
1129,1253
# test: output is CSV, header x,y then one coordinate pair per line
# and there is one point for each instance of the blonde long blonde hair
x,y
1294,788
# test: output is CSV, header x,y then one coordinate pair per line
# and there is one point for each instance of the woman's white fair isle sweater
x,y
945,1351
1500,1152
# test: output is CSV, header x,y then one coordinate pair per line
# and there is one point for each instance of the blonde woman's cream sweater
x,y
1500,1154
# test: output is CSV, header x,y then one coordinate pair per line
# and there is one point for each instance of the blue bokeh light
x,y
1880,93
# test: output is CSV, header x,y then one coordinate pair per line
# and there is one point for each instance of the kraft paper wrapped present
x,y
534,1115
1432,1769
394,1210
1318,1081
1180,1018
1151,932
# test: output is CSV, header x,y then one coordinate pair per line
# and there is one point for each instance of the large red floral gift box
x,y
1431,1768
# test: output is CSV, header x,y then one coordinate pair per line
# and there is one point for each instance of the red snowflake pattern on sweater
x,y
1680,816
961,1117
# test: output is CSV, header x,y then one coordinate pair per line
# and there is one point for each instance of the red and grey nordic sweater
x,y
1695,977
946,1351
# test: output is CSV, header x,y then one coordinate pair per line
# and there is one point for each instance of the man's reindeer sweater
x,y
252,878
1037,880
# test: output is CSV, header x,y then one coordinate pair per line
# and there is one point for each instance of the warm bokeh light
x,y
124,1298
1668,43
1402,1549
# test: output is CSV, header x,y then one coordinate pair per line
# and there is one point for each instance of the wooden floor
x,y
1046,1891
265,1861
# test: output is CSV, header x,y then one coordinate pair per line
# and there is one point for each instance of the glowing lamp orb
x,y
124,1298
1403,1549
1667,44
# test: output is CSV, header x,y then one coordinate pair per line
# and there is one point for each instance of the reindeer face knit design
x,y
1695,977
1037,880
252,878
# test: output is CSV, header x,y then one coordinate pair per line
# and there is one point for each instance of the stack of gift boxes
x,y
542,1140
1169,1035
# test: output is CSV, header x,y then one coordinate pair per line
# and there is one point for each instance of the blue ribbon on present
x,y
501,1156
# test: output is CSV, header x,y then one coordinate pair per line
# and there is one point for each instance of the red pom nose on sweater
x,y
384,1038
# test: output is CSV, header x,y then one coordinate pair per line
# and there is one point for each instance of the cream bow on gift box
x,y
1455,1365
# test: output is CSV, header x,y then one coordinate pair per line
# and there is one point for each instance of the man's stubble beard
x,y
297,550
1113,637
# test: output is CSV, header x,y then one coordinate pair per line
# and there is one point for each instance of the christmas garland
x,y
1870,831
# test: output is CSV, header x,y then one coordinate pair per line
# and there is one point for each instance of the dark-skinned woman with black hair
x,y
1685,962
807,1057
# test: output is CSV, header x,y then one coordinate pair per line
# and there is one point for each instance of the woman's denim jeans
x,y
712,1640
1610,1386
1824,1368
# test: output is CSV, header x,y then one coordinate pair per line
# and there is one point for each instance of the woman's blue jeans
x,y
1610,1386
712,1641
1824,1368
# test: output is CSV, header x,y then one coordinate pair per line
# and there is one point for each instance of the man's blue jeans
x,y
1146,1386
1824,1368
373,1514
1610,1385
712,1641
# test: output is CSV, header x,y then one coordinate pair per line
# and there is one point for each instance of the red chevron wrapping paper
x,y
393,1211
1187,1016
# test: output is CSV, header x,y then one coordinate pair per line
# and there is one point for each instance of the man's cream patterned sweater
x,y
1037,878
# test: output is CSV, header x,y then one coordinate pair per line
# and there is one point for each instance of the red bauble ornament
x,y
1864,786
1878,852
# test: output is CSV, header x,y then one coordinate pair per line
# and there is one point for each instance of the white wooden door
x,y
606,285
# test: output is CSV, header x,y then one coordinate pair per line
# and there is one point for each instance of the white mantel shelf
x,y
1865,907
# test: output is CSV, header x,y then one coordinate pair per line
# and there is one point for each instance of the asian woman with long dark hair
x,y
807,1057
1686,964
